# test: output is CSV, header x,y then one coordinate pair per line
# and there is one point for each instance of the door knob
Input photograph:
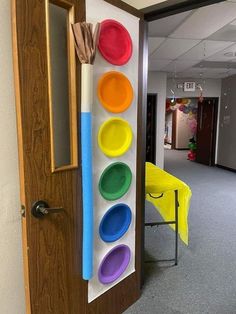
x,y
41,209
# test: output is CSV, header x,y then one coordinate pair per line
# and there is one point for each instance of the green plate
x,y
115,181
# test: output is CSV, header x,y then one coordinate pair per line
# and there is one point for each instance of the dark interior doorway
x,y
206,131
151,128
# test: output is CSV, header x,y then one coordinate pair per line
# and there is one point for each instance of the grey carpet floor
x,y
205,279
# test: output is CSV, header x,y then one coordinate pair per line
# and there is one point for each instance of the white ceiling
x,y
140,4
178,43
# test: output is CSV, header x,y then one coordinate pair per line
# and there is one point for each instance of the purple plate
x,y
114,264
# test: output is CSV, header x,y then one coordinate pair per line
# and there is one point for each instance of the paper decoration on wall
x,y
115,92
115,137
115,181
115,222
114,264
115,188
115,43
183,104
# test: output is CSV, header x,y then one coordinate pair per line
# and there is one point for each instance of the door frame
x,y
171,7
156,100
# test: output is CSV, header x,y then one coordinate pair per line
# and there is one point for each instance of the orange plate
x,y
115,92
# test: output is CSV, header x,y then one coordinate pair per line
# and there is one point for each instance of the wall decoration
x,y
114,264
115,222
115,181
115,137
115,145
115,92
115,43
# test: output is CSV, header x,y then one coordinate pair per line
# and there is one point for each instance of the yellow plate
x,y
115,137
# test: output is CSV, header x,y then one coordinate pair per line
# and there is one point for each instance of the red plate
x,y
115,44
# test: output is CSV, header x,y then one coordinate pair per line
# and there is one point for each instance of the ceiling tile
x,y
154,43
234,22
196,75
186,75
141,4
206,21
164,27
179,66
220,56
228,32
215,65
205,49
157,65
173,48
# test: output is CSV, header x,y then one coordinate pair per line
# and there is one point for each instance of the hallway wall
x,y
11,268
211,88
157,85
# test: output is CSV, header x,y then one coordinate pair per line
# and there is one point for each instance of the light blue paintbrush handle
x,y
87,193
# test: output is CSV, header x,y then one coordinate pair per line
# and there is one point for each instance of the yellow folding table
x,y
171,197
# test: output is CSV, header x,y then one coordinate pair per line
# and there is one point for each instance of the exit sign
x,y
189,86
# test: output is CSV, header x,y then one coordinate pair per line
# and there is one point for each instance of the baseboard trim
x,y
226,168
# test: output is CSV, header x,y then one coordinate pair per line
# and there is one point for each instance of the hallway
x,y
205,279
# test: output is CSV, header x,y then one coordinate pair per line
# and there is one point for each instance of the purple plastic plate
x,y
114,264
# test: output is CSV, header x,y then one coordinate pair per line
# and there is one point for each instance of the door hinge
x,y
22,211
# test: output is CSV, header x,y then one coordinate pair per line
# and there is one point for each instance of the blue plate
x,y
115,222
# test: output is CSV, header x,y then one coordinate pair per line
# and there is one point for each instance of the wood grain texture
x,y
54,270
52,245
20,152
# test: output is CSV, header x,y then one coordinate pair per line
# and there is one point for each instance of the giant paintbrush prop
x,y
85,44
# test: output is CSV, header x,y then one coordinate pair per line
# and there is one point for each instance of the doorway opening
x,y
191,125
186,51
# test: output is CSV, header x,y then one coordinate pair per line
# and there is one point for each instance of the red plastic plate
x,y
115,44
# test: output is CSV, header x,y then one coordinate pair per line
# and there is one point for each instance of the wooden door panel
x,y
52,245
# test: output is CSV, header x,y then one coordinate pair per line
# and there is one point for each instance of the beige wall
x,y
157,85
140,4
11,269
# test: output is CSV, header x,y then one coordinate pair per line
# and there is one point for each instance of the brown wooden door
x,y
206,131
52,266
52,244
